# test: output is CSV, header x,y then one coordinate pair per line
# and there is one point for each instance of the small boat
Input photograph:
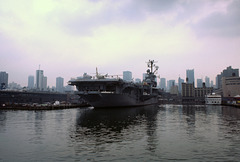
x,y
213,99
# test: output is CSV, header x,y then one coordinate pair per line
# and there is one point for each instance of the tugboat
x,y
108,92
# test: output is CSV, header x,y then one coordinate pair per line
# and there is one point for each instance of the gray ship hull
x,y
109,92
108,100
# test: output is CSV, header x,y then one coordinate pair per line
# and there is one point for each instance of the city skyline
x,y
69,38
176,81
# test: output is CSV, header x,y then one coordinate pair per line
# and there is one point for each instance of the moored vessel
x,y
105,92
213,99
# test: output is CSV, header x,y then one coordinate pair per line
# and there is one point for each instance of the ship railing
x,y
93,92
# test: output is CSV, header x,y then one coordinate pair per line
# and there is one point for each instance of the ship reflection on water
x,y
166,132
150,133
115,130
116,119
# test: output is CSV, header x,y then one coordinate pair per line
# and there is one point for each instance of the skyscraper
x,y
127,76
44,87
3,80
180,81
59,84
30,82
163,83
190,76
39,79
199,83
207,81
170,83
211,84
144,76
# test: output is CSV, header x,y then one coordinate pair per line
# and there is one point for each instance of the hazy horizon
x,y
68,38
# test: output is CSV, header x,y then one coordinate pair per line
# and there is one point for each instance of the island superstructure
x,y
105,92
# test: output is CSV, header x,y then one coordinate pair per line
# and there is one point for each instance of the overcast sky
x,y
70,37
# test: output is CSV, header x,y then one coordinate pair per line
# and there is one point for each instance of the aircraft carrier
x,y
108,92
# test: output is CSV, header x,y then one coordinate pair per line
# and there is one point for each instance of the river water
x,y
153,133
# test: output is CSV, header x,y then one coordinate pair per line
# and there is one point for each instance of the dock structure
x,y
38,100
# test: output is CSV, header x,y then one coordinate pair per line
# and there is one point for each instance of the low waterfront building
x,y
231,86
188,92
192,94
213,99
201,92
228,72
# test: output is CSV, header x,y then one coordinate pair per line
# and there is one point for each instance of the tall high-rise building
x,y
59,84
163,83
170,83
3,80
190,76
127,76
30,82
229,72
144,76
211,85
39,79
207,81
44,87
180,81
199,83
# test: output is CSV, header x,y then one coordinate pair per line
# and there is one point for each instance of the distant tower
x,y
59,84
3,80
39,79
30,82
199,83
127,76
144,76
207,81
180,81
163,83
44,87
211,84
190,75
170,83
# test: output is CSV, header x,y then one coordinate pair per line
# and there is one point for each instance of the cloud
x,y
219,18
224,24
93,14
69,37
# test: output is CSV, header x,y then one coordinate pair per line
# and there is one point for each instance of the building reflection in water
x,y
231,119
3,119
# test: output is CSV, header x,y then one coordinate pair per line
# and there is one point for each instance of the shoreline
x,y
50,107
